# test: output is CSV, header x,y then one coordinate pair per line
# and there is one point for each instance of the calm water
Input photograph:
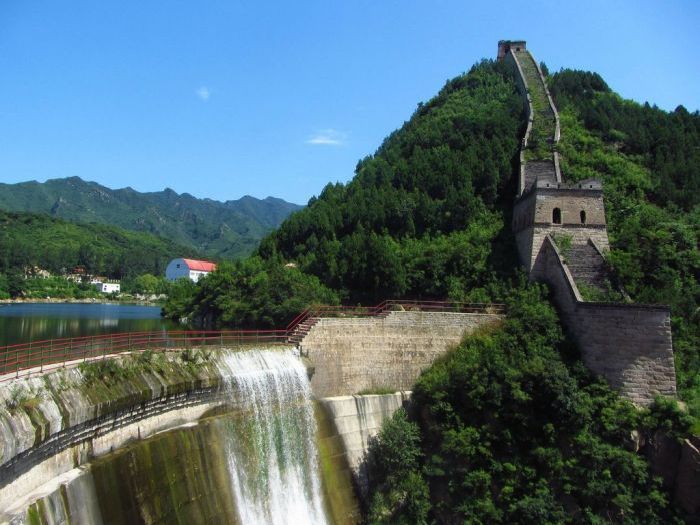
x,y
21,323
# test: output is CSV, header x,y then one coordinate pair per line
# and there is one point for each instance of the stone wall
x,y
352,355
628,344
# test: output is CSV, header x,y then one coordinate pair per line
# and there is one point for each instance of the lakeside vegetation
x,y
30,242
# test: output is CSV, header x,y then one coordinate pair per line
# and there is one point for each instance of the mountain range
x,y
219,229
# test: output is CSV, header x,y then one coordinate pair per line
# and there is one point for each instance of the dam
x,y
233,427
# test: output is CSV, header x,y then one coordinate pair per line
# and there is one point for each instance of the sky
x,y
222,99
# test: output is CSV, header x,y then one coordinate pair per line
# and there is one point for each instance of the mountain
x,y
225,229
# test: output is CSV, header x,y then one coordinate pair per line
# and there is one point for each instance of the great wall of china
x,y
562,238
347,352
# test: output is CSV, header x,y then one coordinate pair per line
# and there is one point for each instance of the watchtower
x,y
575,210
505,45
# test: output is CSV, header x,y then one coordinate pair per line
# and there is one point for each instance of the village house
x,y
192,269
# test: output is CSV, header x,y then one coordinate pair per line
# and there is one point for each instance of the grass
x,y
379,391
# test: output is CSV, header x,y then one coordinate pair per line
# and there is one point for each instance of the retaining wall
x,y
628,344
352,355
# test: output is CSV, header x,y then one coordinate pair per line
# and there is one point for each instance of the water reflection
x,y
21,323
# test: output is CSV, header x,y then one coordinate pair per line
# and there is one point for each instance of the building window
x,y
556,216
583,217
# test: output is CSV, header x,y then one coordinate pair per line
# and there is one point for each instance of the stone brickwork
x,y
352,355
533,216
630,345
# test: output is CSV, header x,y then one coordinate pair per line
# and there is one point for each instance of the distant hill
x,y
225,229
33,240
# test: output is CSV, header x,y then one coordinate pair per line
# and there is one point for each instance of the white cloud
x,y
203,93
328,137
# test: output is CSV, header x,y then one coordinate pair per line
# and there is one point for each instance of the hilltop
x,y
224,229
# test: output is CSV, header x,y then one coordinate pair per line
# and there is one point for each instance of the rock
x,y
687,493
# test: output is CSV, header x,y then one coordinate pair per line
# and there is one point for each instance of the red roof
x,y
202,266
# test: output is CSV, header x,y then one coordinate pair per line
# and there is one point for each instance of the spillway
x,y
271,446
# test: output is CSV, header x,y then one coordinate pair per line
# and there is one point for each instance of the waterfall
x,y
272,454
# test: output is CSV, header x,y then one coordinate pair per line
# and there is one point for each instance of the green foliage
x,y
422,216
668,144
29,240
181,294
400,491
564,241
248,293
147,284
513,432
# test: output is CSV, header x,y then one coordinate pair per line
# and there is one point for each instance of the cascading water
x,y
272,451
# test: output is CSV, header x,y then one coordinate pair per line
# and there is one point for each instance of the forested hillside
x,y
226,229
649,161
30,240
427,214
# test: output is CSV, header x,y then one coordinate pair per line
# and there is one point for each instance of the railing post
x,y
17,363
41,357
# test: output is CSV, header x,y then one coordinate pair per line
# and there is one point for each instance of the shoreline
x,y
71,300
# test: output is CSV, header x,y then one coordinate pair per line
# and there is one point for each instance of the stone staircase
x,y
587,267
301,330
539,169
543,129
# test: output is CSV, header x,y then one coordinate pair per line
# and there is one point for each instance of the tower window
x,y
583,217
556,216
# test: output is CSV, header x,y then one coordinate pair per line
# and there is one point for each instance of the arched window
x,y
556,216
583,217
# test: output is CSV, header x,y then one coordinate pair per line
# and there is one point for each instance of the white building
x,y
107,287
188,268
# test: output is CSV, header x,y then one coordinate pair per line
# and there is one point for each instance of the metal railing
x,y
39,355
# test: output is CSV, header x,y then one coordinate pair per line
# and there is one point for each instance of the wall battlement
x,y
630,345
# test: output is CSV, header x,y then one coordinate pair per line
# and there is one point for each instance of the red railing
x,y
391,305
25,357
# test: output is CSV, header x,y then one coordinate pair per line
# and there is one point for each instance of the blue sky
x,y
226,98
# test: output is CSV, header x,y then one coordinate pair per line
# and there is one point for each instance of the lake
x,y
25,322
